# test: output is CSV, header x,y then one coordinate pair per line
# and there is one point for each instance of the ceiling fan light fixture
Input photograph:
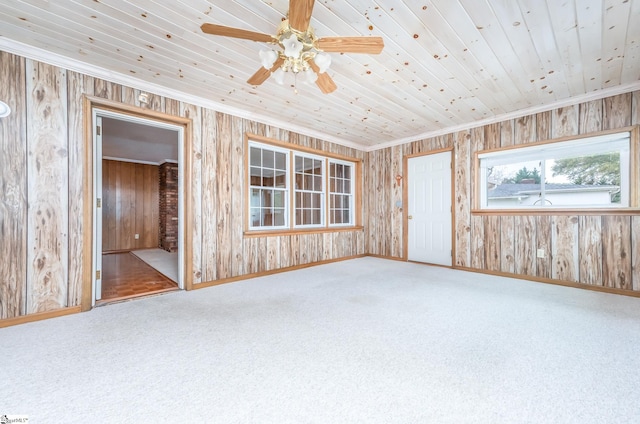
x,y
323,61
311,76
268,58
278,75
292,46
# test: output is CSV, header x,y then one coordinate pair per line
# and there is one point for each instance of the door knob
x,y
410,216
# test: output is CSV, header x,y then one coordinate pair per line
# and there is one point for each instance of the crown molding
x,y
42,55
595,95
45,56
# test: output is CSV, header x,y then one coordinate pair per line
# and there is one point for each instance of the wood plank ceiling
x,y
446,64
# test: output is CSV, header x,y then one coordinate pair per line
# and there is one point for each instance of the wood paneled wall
x,y
592,250
130,205
42,150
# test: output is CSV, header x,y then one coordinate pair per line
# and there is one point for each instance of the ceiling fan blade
x,y
371,45
235,33
300,14
262,74
324,81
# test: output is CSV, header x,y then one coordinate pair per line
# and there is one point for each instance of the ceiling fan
x,y
300,51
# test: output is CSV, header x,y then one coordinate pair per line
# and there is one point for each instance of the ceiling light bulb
x,y
5,110
323,61
278,75
292,46
311,76
268,58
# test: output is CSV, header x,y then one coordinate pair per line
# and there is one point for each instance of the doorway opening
x,y
139,205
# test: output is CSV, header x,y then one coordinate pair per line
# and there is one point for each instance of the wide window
x,y
291,189
591,172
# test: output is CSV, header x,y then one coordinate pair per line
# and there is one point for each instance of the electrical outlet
x,y
136,236
540,253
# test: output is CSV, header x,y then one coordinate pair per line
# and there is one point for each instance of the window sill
x,y
557,211
297,231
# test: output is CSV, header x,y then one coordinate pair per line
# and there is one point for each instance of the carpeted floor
x,y
361,341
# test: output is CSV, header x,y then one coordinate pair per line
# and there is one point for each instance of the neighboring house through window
x,y
581,173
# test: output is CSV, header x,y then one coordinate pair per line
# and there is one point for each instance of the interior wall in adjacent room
x,y
130,205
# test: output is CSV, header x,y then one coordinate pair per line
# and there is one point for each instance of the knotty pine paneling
x,y
590,118
48,188
525,245
195,114
63,100
43,159
209,194
223,231
477,224
543,241
130,205
396,196
13,186
237,203
462,198
507,244
635,252
617,111
565,122
616,252
565,243
525,130
544,125
591,250
77,153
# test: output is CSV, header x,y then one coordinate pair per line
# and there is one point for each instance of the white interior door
x,y
429,209
97,208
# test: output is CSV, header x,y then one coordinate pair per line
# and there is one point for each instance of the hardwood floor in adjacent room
x,y
126,276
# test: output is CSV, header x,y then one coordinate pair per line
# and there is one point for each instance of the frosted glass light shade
x,y
292,46
268,58
278,75
323,61
311,76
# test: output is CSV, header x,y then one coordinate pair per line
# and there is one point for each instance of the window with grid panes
x,y
340,193
291,189
268,192
309,190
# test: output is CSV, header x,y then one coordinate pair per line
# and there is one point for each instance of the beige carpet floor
x,y
361,341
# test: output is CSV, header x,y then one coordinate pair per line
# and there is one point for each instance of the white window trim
x,y
323,193
351,195
291,153
286,190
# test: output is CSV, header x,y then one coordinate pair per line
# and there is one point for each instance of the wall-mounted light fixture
x,y
5,110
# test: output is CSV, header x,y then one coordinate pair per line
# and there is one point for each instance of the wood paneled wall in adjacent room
x,y
43,151
592,250
130,205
